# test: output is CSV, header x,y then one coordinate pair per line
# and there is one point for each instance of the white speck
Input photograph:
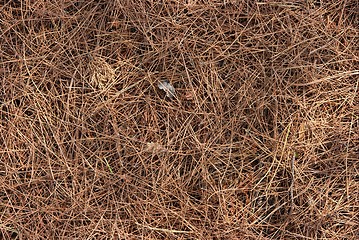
x,y
168,88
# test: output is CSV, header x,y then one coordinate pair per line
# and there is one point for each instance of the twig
x,y
292,186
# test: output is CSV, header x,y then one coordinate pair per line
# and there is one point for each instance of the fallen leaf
x,y
155,147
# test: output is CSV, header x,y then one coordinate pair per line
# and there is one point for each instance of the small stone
x,y
168,88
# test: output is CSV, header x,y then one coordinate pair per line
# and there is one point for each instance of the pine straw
x,y
261,141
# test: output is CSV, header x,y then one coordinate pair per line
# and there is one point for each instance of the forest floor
x,y
259,140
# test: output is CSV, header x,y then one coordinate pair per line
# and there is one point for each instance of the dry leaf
x,y
155,147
